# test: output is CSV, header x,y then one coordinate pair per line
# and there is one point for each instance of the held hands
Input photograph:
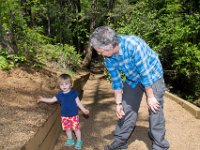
x,y
153,103
119,111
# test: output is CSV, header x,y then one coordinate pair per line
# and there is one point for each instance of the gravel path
x,y
183,130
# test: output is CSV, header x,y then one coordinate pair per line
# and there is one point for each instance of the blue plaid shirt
x,y
136,60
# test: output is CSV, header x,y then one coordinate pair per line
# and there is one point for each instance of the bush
x,y
9,60
64,55
3,63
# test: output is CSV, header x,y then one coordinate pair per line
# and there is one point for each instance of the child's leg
x,y
70,140
78,134
79,142
76,127
77,131
66,122
69,133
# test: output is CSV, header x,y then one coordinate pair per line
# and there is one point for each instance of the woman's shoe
x,y
69,142
78,144
123,147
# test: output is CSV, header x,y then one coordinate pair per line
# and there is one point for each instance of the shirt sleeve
x,y
58,97
77,94
114,74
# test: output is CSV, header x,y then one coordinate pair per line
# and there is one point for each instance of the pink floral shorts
x,y
70,122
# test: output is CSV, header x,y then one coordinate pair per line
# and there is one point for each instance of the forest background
x,y
44,32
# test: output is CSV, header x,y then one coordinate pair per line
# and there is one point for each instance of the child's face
x,y
65,86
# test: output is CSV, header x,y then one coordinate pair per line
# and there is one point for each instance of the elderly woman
x,y
141,66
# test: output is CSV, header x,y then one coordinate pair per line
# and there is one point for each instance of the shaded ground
x,y
183,130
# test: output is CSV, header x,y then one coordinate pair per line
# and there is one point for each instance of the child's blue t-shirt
x,y
67,102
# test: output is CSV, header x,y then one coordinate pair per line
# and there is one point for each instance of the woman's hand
x,y
119,111
153,103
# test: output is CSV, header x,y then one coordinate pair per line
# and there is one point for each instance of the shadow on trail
x,y
98,129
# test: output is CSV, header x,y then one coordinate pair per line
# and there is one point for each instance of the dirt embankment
x,y
20,114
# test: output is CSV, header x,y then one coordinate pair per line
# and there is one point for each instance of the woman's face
x,y
107,53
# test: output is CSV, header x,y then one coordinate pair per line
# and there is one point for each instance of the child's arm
x,y
47,100
82,108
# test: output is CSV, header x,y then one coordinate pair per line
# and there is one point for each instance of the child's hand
x,y
86,112
39,99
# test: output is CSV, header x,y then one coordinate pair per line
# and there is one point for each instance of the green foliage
x,y
64,55
11,15
137,19
3,63
123,77
187,59
31,42
7,61
16,60
170,27
69,57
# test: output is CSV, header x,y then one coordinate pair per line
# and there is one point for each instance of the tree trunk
x,y
3,43
12,34
87,60
49,24
111,4
76,10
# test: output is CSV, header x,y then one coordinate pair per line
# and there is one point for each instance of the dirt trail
x,y
183,130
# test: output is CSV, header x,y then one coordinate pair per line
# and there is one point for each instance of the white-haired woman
x,y
144,74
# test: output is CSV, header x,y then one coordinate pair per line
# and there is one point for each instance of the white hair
x,y
103,37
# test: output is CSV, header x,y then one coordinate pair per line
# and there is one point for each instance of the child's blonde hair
x,y
65,78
